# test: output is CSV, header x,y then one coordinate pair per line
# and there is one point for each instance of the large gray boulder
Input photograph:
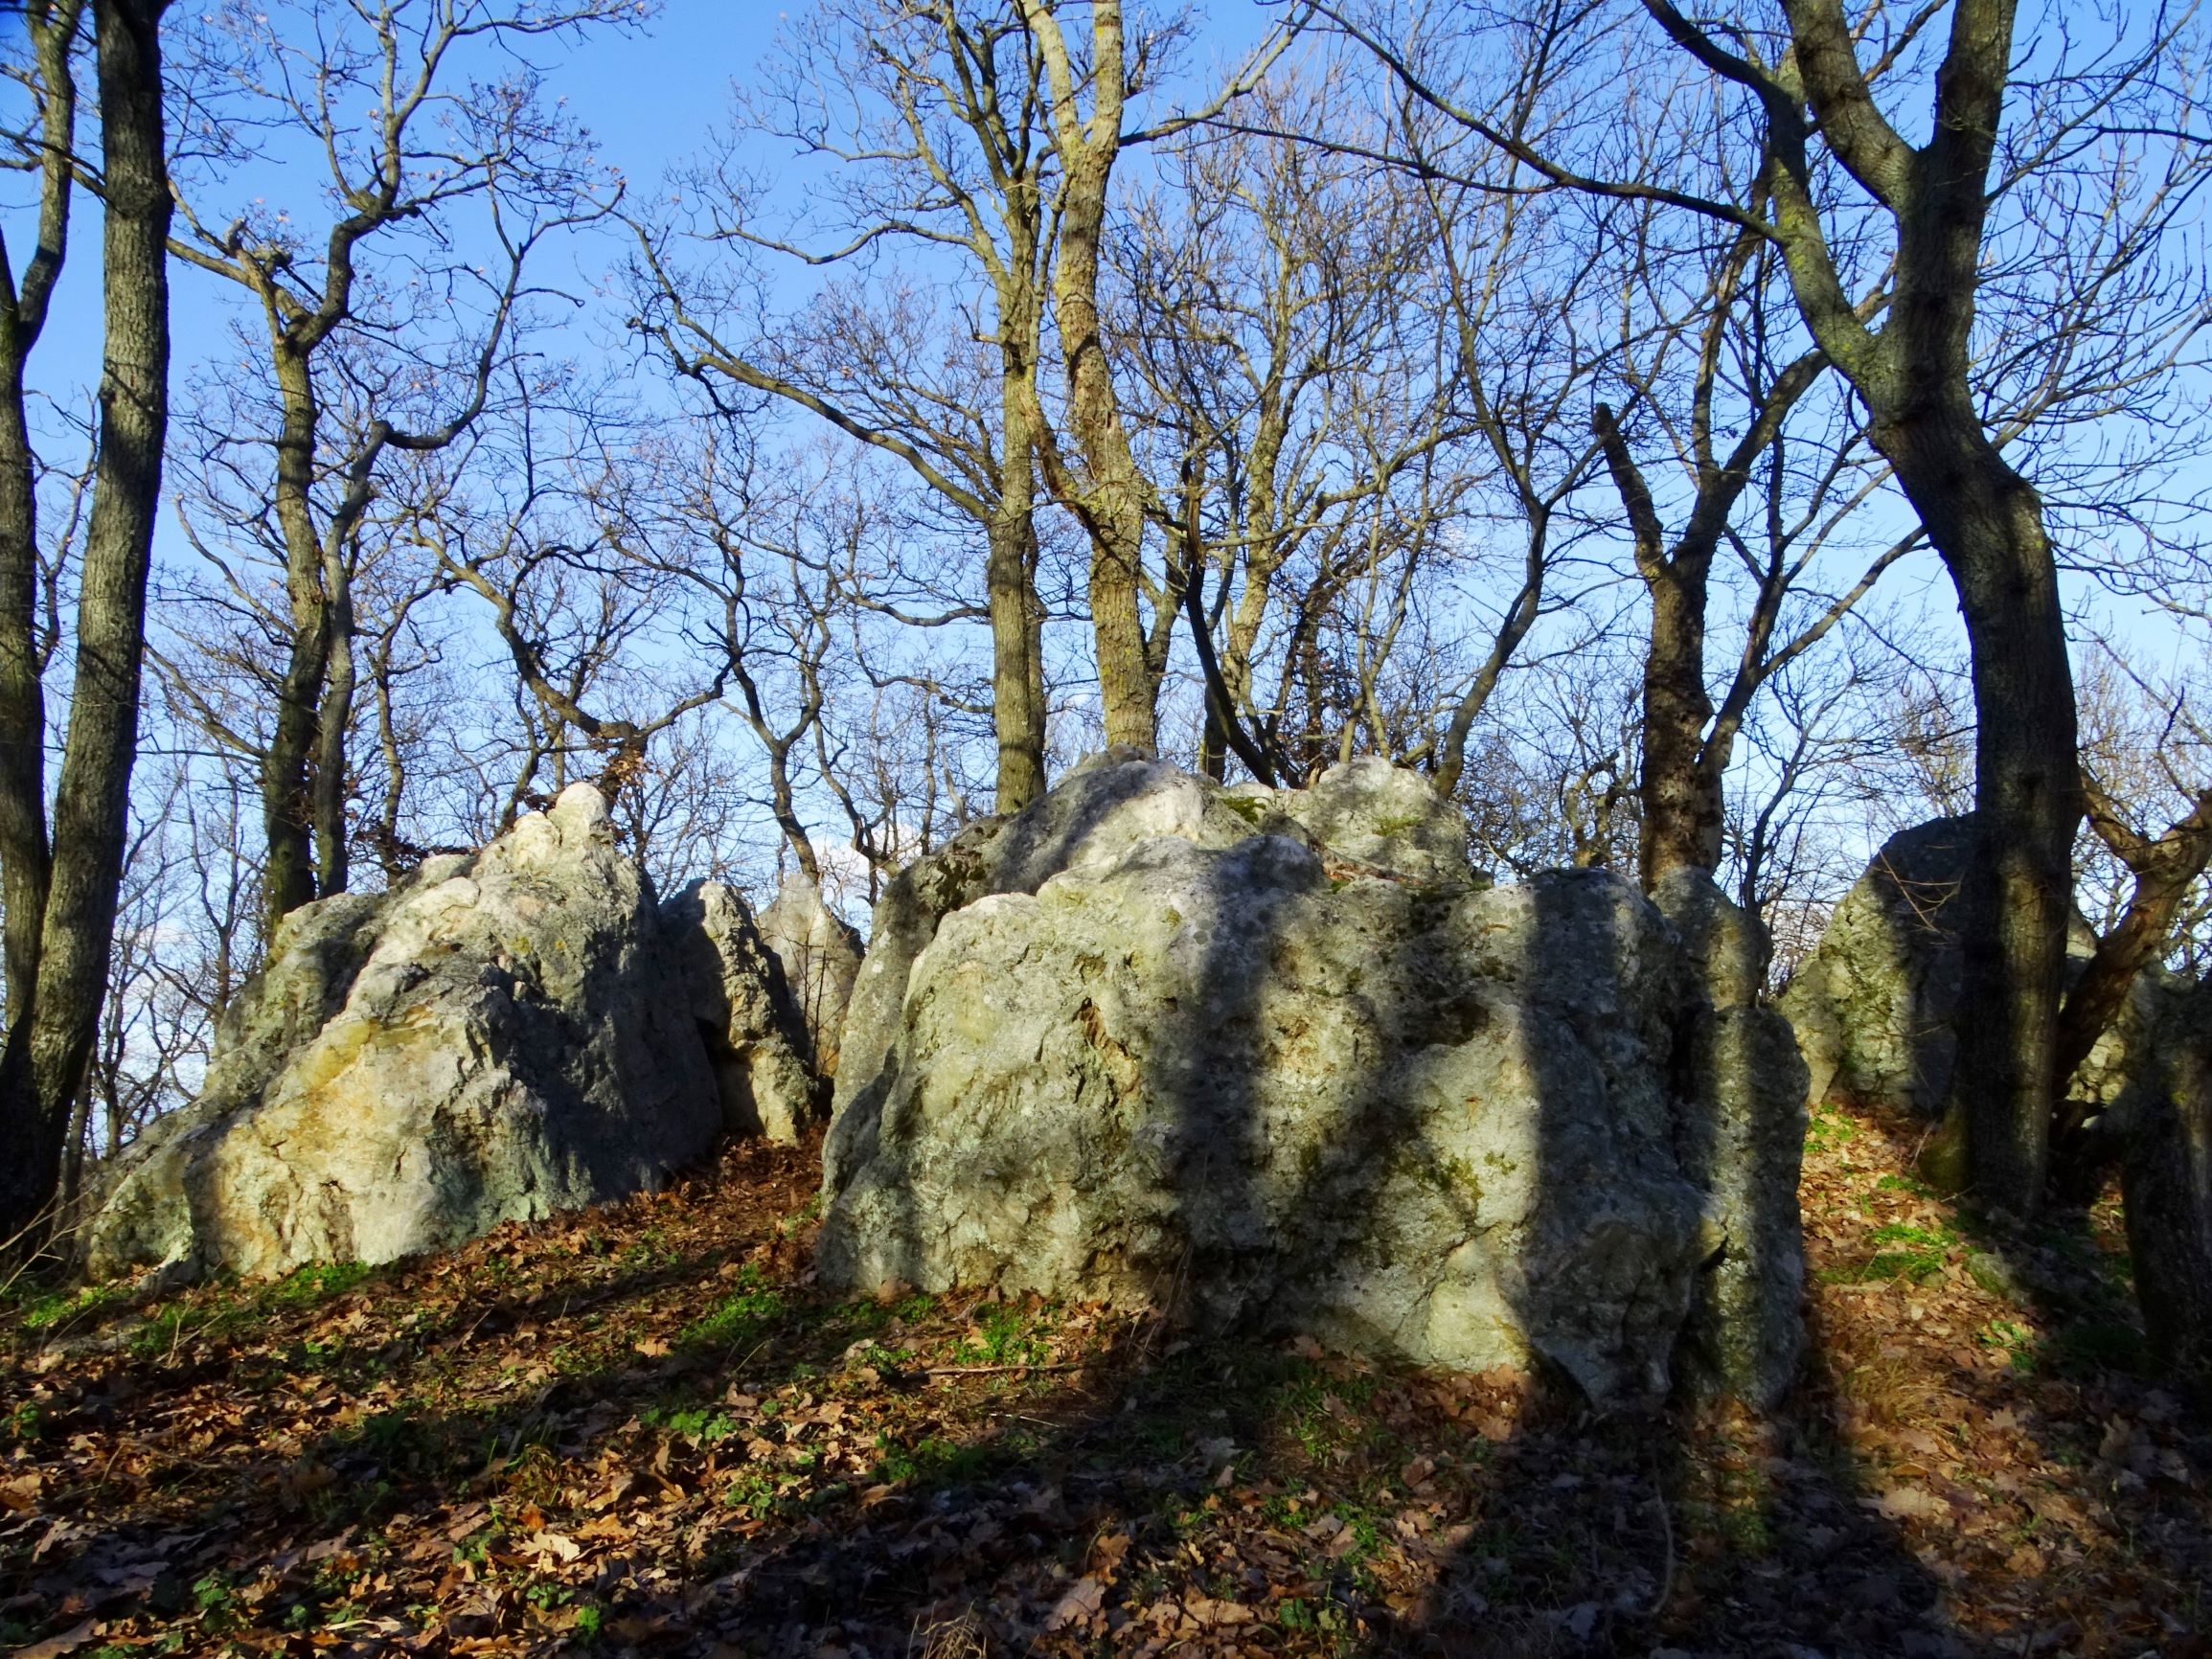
x,y
820,956
1875,1006
1741,1140
1216,1060
493,1040
1093,816
2166,1180
732,984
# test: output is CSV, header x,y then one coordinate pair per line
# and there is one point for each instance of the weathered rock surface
x,y
1151,1039
2166,1181
732,984
497,1040
1742,1141
820,955
1095,813
1875,1006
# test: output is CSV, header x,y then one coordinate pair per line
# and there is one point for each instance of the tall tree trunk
x,y
1987,523
1113,495
44,1064
1016,667
287,798
1110,497
23,310
23,849
333,720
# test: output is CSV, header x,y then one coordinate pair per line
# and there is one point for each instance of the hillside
x,y
642,1429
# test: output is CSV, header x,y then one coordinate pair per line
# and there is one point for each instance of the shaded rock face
x,y
493,1040
1741,1140
1875,1006
2166,1182
732,984
1284,1083
820,956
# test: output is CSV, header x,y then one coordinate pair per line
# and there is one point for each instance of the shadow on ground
x,y
646,1430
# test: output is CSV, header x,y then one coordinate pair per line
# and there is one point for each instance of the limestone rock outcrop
x,y
1741,1140
732,984
2166,1181
1875,1006
493,1039
1285,1063
820,955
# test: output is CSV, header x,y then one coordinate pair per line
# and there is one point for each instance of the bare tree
x,y
70,887
1292,394
933,115
371,90
1884,243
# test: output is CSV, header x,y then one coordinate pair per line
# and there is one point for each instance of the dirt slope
x,y
645,1430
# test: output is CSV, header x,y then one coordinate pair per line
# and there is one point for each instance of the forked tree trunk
x,y
48,1043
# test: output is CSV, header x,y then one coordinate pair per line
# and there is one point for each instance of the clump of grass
x,y
1901,1251
739,1319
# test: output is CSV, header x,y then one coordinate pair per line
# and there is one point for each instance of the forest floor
x,y
645,1430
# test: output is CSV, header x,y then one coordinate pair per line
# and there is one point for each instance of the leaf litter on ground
x,y
645,1429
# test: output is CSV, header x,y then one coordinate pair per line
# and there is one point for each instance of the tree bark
x,y
1986,522
23,311
47,1047
287,803
1110,498
331,721
1018,708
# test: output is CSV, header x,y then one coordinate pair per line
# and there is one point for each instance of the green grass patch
x,y
1900,1251
740,1319
1006,1335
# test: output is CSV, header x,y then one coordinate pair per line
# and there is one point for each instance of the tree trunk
x,y
333,720
1113,503
1016,668
1682,801
23,847
1987,523
1110,498
45,1057
23,311
287,801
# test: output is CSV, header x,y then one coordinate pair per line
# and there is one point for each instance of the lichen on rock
x,y
493,1039
1283,1066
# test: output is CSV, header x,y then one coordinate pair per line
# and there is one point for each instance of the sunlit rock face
x,y
495,1039
1281,1060
820,956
